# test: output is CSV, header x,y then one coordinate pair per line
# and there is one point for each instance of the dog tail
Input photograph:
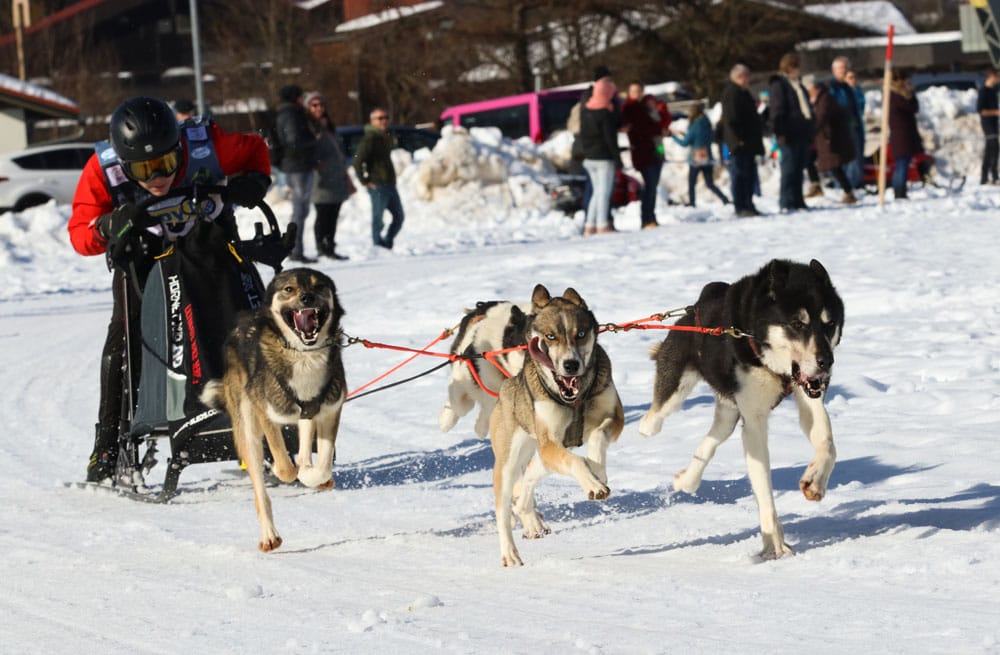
x,y
212,395
654,350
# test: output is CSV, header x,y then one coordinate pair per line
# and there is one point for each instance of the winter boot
x,y
815,190
849,198
102,460
899,193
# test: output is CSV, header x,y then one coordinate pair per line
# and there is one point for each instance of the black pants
x,y
990,155
325,227
109,412
707,173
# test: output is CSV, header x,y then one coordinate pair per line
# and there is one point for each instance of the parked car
x,y
35,175
408,138
536,115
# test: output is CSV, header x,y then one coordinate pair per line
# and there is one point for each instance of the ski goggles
x,y
163,166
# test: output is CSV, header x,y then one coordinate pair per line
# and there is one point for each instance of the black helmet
x,y
143,128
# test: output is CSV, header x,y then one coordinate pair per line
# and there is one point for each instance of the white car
x,y
35,175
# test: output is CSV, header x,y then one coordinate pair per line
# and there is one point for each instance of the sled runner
x,y
203,276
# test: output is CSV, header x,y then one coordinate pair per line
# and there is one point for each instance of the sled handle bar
x,y
197,191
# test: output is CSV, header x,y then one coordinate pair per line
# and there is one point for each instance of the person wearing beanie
x,y
183,109
297,144
599,118
333,185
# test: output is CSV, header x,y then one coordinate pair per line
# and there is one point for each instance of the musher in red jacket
x,y
148,155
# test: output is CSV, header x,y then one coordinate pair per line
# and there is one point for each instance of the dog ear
x,y
777,276
820,272
571,295
539,298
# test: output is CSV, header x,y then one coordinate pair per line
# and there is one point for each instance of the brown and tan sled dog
x,y
563,396
284,367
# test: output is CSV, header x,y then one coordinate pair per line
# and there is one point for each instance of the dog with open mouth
x,y
790,318
284,367
563,396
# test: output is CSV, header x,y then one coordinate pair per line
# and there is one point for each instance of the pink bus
x,y
536,115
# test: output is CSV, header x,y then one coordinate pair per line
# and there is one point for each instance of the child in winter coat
x,y
699,139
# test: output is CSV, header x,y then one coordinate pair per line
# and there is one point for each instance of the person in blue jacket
x,y
699,138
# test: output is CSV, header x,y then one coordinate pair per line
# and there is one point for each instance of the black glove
x,y
120,229
248,189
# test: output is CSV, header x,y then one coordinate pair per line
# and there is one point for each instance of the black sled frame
x,y
206,435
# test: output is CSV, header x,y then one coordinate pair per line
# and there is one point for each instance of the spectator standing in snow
x,y
843,93
988,107
148,156
904,138
859,102
333,185
698,138
373,165
298,159
644,125
792,122
833,143
742,133
599,145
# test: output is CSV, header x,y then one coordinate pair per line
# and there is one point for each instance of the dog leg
x,y
666,401
726,416
459,402
507,468
282,466
815,423
486,405
309,475
559,460
597,449
524,506
251,450
759,469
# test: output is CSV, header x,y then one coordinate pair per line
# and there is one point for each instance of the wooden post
x,y
884,132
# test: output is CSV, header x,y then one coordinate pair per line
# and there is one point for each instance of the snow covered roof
x,y
36,98
386,16
874,15
871,41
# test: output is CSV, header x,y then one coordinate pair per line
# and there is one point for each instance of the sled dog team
x,y
284,367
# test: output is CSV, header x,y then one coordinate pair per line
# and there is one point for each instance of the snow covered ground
x,y
902,556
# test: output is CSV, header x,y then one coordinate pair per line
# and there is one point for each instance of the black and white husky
x,y
793,319
491,326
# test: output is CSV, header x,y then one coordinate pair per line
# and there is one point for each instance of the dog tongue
x,y
537,354
305,321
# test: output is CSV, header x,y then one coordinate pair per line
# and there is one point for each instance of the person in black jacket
x,y
742,134
599,120
792,121
298,159
988,107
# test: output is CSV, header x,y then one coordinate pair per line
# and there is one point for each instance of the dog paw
x,y
267,544
447,419
534,526
510,558
286,473
313,476
685,482
650,424
811,490
775,551
813,482
601,493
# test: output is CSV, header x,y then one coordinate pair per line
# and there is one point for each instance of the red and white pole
x,y
884,132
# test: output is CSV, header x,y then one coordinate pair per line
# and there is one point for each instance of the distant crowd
x,y
818,130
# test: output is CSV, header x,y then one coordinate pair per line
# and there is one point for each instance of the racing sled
x,y
920,171
203,276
